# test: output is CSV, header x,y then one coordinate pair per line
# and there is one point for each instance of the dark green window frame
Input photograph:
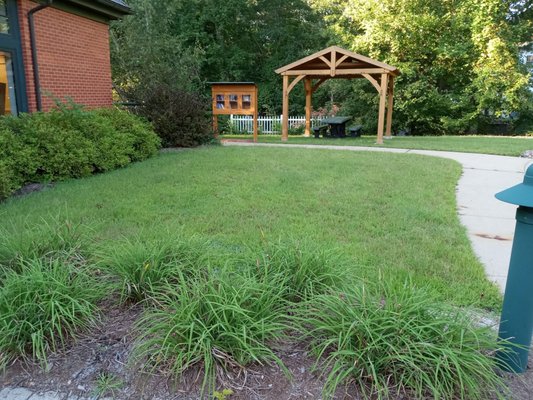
x,y
10,43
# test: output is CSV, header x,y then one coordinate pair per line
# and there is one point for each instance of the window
x,y
233,101
12,83
8,104
220,101
529,59
4,21
246,101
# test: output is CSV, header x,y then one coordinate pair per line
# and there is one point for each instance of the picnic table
x,y
337,125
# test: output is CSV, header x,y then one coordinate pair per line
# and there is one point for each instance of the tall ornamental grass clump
x,y
143,268
43,304
51,238
222,321
69,142
396,340
227,311
387,338
302,267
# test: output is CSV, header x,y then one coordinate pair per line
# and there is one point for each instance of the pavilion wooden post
x,y
285,121
255,127
256,115
389,107
382,101
308,105
215,125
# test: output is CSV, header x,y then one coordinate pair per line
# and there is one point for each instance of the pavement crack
x,y
495,237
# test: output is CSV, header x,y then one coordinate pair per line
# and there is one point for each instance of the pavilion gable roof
x,y
344,59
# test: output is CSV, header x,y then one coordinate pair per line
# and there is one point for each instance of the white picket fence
x,y
270,125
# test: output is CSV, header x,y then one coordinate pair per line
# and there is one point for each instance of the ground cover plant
x,y
228,264
43,305
223,322
301,268
501,145
144,268
394,339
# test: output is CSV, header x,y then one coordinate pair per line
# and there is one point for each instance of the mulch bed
x,y
108,347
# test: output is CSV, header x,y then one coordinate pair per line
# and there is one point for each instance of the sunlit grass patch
x,y
486,144
389,212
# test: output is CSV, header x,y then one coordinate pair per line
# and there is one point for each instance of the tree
x,y
153,68
458,58
197,41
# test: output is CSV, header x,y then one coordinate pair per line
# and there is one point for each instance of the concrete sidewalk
x,y
489,222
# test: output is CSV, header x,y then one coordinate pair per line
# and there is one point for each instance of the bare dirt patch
x,y
521,385
32,188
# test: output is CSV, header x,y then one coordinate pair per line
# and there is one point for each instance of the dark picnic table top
x,y
336,120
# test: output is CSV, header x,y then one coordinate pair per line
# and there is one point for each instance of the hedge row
x,y
69,142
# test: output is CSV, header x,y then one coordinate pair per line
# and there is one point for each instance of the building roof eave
x,y
108,9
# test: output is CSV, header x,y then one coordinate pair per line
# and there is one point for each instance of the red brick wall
x,y
73,56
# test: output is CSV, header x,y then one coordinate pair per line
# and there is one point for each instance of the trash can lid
x,y
521,194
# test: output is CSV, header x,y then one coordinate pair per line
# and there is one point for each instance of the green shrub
x,y
398,339
42,305
179,117
112,147
69,142
16,162
297,130
9,182
139,134
62,150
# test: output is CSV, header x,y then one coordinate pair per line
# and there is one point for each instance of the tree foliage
x,y
458,58
196,41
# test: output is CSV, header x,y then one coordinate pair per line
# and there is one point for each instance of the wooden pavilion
x,y
335,62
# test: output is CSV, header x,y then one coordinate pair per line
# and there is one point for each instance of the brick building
x,y
55,49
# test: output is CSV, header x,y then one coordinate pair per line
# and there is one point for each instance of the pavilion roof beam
x,y
357,71
326,61
337,50
317,85
294,82
340,60
373,82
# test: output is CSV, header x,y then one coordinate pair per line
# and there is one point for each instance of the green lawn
x,y
391,214
507,146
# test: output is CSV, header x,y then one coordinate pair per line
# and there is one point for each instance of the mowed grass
x,y
392,215
506,146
